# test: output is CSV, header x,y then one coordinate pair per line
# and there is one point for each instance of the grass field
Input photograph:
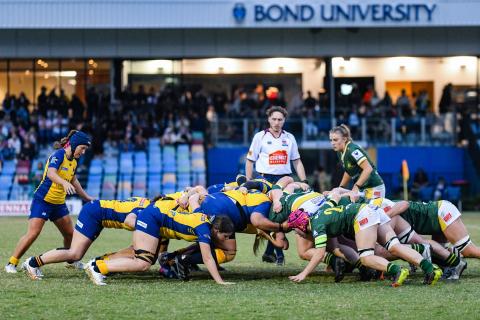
x,y
261,290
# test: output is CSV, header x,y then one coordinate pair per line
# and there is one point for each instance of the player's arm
x,y
345,180
211,264
299,169
366,172
194,202
317,255
52,174
131,220
249,169
399,208
78,188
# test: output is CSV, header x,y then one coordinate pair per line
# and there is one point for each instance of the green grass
x,y
261,290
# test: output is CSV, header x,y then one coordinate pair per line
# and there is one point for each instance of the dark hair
x,y
60,144
343,130
223,224
277,109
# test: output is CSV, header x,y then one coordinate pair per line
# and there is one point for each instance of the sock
x,y
357,264
426,266
418,247
101,266
13,261
453,260
36,262
439,262
329,259
392,269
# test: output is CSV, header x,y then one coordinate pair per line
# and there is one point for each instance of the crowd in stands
x,y
174,113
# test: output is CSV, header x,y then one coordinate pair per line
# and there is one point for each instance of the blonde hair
x,y
60,144
343,130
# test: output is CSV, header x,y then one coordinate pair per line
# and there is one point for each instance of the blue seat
x,y
453,194
4,193
426,194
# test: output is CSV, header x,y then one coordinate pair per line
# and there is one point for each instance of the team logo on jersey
x,y
142,224
54,160
269,142
64,168
364,221
278,157
447,217
250,152
284,143
203,218
357,154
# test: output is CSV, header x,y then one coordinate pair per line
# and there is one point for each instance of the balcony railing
x,y
314,132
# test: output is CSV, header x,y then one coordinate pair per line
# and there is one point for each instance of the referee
x,y
272,150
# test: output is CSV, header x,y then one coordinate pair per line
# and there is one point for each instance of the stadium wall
x,y
448,162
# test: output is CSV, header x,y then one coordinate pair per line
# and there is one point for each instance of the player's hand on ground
x,y
68,187
298,278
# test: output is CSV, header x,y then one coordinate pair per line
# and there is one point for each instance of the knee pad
x,y
406,235
461,244
366,252
145,256
391,243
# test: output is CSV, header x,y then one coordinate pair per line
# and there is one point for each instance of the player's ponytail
x,y
60,144
343,130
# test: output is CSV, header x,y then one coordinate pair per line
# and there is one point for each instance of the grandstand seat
x,y
4,193
426,194
9,167
453,194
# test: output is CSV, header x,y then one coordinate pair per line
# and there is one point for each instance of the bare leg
x,y
79,246
35,226
366,239
455,233
65,226
141,241
385,233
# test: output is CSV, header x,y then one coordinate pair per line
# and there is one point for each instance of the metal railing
x,y
314,132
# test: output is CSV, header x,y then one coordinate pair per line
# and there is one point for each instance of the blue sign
x,y
351,13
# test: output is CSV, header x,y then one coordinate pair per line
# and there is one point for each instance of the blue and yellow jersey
x,y
253,201
260,184
52,192
184,226
114,212
169,202
227,203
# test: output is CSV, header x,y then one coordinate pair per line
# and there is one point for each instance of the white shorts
x,y
384,218
375,192
312,205
367,216
447,214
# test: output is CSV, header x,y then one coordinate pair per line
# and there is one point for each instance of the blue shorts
x,y
89,222
272,178
47,211
148,221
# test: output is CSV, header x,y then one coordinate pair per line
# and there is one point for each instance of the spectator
x,y
310,102
42,101
28,151
422,103
169,135
439,191
321,180
15,143
37,175
420,180
403,105
446,99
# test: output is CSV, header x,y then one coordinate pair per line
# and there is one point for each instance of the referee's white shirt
x,y
273,155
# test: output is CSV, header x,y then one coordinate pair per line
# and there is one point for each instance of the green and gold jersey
x,y
331,221
309,201
351,158
423,217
